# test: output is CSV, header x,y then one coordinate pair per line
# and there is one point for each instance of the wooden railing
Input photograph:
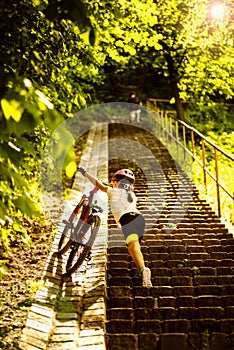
x,y
190,141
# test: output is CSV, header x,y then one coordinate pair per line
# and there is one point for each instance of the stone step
x,y
189,252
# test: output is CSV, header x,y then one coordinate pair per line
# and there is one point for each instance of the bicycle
x,y
80,232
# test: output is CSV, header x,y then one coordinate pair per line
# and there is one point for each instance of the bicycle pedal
x,y
58,254
66,277
88,258
68,223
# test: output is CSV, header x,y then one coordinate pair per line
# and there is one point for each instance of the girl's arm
x,y
93,180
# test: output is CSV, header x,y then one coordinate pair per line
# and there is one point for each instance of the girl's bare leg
x,y
134,250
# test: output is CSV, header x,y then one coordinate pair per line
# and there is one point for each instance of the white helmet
x,y
124,174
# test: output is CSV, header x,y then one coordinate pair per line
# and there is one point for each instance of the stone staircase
x,y
190,254
189,251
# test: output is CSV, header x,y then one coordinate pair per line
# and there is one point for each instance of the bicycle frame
x,y
89,206
86,203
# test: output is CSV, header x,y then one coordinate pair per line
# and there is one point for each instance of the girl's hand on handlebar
x,y
82,171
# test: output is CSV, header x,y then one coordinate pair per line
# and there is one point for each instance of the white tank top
x,y
119,203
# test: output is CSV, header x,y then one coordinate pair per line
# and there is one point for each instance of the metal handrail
x,y
169,128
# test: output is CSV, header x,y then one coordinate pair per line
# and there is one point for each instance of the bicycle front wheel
x,y
80,251
72,225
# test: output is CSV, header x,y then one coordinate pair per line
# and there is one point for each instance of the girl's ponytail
x,y
130,198
125,184
128,188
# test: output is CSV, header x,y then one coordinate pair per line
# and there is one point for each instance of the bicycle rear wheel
x,y
80,251
72,225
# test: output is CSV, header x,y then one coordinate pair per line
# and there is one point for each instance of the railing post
x,y
193,144
217,181
171,130
166,127
204,162
177,139
161,123
184,140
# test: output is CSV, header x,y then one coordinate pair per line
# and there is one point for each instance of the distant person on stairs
x,y
123,205
135,111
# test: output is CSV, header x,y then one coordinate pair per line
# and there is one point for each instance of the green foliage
x,y
58,57
212,116
24,111
47,70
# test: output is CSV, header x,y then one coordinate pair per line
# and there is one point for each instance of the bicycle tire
x,y
71,224
73,263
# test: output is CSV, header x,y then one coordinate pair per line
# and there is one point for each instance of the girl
x,y
123,205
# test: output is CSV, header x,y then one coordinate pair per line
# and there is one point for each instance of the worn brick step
x,y
176,326
187,312
224,271
119,302
116,243
227,325
218,280
210,324
164,313
157,249
117,250
120,313
182,234
184,291
145,302
218,236
228,242
208,300
229,312
120,292
117,264
119,281
228,300
118,257
175,341
215,248
159,256
149,326
229,249
191,241
195,248
160,271
181,280
119,271
176,248
120,326
222,255
181,271
192,256
161,281
185,301
219,263
120,341
216,312
174,263
155,291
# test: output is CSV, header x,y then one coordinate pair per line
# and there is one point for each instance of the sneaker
x,y
146,277
138,273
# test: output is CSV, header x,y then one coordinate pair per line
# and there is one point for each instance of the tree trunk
x,y
174,85
178,103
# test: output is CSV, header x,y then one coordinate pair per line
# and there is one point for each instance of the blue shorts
x,y
132,223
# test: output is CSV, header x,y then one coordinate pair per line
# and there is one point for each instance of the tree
x,y
47,72
177,39
60,56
